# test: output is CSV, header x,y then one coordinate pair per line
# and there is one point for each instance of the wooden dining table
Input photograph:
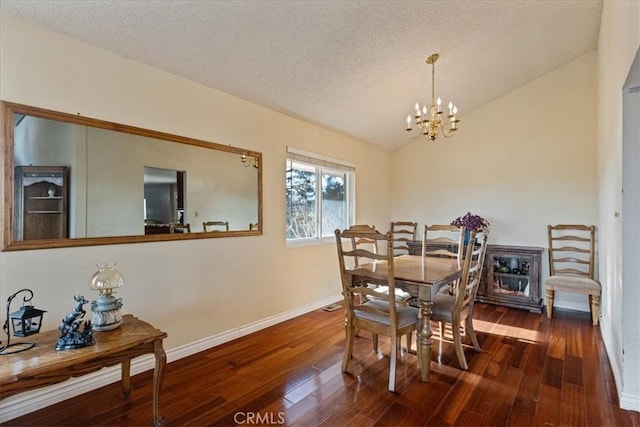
x,y
421,277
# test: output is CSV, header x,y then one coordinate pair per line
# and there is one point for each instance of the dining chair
x,y
180,228
443,240
214,226
457,309
362,310
402,297
571,265
403,232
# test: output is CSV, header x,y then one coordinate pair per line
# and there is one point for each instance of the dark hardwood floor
x,y
530,372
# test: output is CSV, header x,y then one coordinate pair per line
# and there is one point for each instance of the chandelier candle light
x,y
430,122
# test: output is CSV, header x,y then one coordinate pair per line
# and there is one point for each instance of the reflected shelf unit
x,y
42,202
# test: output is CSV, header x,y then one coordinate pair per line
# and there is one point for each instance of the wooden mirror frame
x,y
7,242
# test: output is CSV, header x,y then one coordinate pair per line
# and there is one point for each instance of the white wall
x,y
618,43
523,161
197,288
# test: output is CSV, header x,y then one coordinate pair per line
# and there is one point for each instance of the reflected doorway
x,y
164,203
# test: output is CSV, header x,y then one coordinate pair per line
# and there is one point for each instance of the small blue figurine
x,y
70,335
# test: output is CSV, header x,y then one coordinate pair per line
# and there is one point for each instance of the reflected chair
x,y
571,265
253,226
457,309
215,226
362,310
443,240
403,232
179,228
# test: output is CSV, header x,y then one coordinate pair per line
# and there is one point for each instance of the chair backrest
x,y
571,249
478,252
355,292
215,226
443,240
403,232
471,274
181,228
363,242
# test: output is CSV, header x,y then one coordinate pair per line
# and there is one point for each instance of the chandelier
x,y
430,122
249,161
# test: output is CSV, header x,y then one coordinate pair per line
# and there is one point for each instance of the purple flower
x,y
471,222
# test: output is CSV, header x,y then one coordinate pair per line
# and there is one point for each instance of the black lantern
x,y
26,321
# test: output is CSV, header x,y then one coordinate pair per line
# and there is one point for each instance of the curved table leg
x,y
424,338
161,360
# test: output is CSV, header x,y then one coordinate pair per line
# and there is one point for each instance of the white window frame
x,y
323,165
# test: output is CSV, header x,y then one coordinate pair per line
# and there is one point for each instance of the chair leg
x,y
472,333
549,303
392,363
374,341
457,342
594,301
442,327
348,348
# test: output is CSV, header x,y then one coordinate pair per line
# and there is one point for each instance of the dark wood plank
x,y
531,371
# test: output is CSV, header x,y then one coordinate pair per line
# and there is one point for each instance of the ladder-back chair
x,y
363,311
176,227
457,309
215,226
403,232
443,240
571,265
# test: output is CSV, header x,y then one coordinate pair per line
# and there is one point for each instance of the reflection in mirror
x,y
78,181
163,199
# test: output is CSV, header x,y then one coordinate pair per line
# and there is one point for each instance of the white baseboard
x,y
630,402
23,403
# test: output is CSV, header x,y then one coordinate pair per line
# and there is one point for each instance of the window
x,y
320,195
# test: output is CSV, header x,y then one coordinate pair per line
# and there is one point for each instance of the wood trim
x,y
7,243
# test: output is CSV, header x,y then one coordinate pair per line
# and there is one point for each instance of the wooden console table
x,y
43,365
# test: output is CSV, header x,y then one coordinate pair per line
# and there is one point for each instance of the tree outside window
x,y
315,207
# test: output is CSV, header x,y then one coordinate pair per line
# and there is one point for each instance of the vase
x,y
467,236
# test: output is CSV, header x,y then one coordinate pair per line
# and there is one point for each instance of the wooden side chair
x,y
457,309
571,265
215,226
443,240
179,228
403,232
403,298
379,316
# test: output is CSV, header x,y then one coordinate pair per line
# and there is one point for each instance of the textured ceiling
x,y
353,66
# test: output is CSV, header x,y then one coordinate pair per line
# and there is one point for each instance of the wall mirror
x,y
74,181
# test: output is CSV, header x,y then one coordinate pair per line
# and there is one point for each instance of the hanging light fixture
x,y
249,161
430,122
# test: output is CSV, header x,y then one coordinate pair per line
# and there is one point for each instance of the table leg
x,y
126,377
161,360
424,338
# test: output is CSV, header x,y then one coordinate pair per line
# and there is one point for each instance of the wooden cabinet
x,y
512,277
42,202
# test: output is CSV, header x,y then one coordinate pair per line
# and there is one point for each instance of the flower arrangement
x,y
471,222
